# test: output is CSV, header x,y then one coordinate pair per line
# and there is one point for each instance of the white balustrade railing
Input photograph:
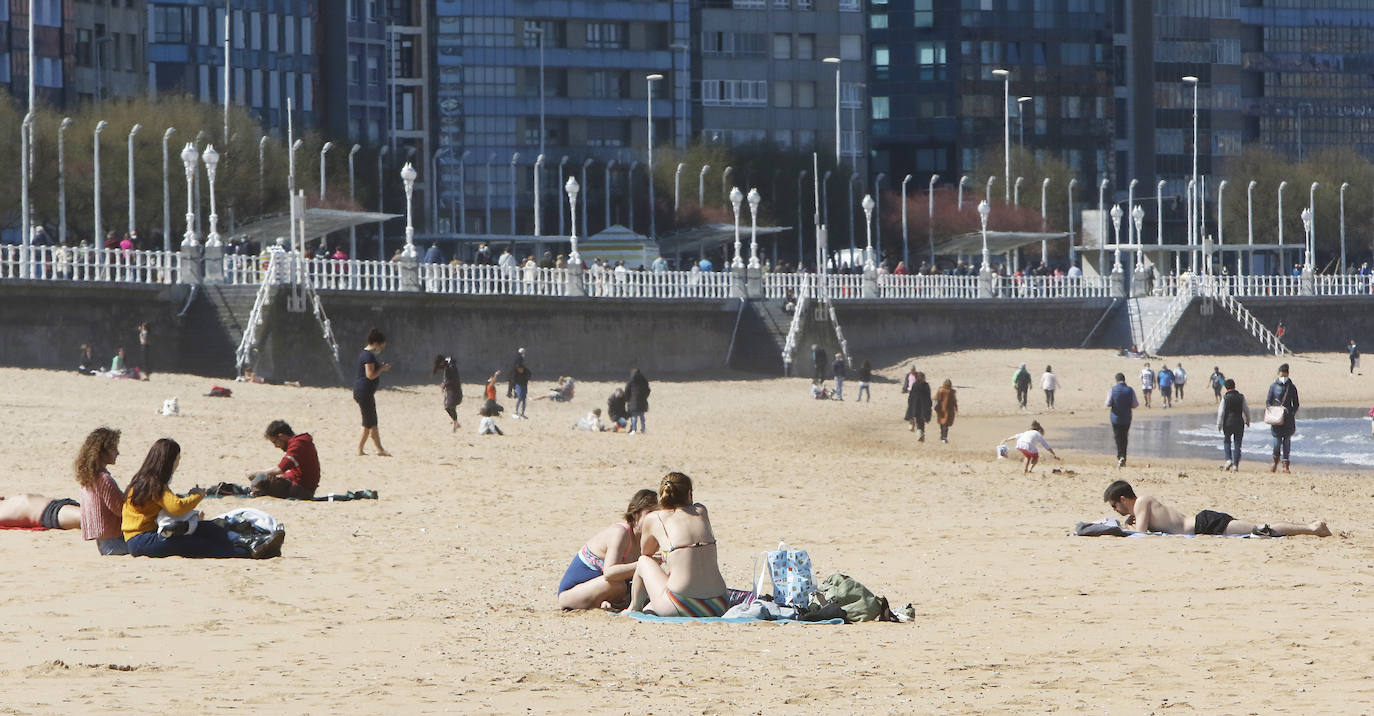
x,y
781,285
1265,285
1343,285
937,286
68,263
1050,287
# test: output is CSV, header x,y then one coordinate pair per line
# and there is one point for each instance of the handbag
x,y
1275,414
786,574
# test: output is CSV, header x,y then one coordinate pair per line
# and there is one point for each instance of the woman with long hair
x,y
148,496
370,370
102,503
600,574
692,585
946,407
452,386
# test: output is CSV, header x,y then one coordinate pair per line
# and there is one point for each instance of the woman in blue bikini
x,y
692,585
601,571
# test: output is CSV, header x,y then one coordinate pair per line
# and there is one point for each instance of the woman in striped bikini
x,y
600,573
692,585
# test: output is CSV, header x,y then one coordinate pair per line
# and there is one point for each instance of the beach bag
x,y
1275,414
786,575
859,604
1002,452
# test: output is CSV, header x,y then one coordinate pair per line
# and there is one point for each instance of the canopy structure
x,y
999,242
617,243
318,223
699,239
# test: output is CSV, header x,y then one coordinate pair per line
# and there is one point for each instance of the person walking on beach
x,y
865,377
1180,377
1121,400
637,400
1218,382
1021,380
840,370
144,366
1147,383
521,379
1166,386
1283,394
946,406
517,362
369,375
1233,417
1049,382
918,406
451,387
1354,352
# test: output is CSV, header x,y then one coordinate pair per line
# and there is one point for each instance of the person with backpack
x,y
1218,382
1021,381
1233,417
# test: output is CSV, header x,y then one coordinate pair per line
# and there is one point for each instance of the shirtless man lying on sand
x,y
1147,514
39,511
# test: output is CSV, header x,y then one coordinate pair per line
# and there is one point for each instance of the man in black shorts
x,y
1147,514
39,511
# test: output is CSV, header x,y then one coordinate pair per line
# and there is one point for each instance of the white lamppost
x,y
735,198
571,187
1069,193
323,151
408,176
1130,201
132,131
962,181
1221,227
836,62
1249,222
1191,80
1282,184
538,220
167,194
868,231
701,185
98,241
1138,216
677,186
1044,221
1016,191
1006,128
211,159
26,225
1021,121
352,230
987,192
62,180
189,158
754,200
1311,228
1344,186
1116,248
983,211
1307,261
653,224
1102,212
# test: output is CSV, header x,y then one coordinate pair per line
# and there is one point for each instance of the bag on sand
x,y
859,604
786,574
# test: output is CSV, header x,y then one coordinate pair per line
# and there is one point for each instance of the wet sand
x,y
439,596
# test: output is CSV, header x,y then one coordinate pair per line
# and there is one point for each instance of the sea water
x,y
1335,437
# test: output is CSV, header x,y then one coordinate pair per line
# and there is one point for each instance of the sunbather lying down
x,y
1147,514
39,511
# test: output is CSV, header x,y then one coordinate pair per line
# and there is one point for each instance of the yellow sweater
x,y
138,520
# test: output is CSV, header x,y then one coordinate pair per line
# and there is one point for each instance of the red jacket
x,y
301,464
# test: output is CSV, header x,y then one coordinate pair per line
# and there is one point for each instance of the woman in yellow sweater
x,y
148,495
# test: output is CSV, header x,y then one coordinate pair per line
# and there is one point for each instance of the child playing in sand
x,y
592,422
1029,443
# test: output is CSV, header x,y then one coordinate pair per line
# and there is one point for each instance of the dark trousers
x,y
279,487
1049,398
1231,442
1021,394
1120,432
209,540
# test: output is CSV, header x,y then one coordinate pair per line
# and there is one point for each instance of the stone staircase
x,y
214,324
1152,319
762,337
1251,325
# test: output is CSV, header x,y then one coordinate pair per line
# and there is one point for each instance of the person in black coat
x,y
615,409
1283,392
918,405
515,367
819,357
637,400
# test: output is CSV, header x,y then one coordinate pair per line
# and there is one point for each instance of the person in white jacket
x,y
1029,443
1049,382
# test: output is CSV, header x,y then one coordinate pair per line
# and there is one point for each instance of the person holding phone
x,y
370,370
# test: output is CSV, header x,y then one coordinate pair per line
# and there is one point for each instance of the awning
x,y
701,238
318,223
999,242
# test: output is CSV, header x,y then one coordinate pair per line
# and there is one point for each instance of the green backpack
x,y
859,604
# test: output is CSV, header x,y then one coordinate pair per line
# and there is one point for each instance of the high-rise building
x,y
760,74
109,49
52,20
517,78
937,105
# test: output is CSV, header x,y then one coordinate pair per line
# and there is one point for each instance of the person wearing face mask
x,y
1282,393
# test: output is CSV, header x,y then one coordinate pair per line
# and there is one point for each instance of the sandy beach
x,y
440,596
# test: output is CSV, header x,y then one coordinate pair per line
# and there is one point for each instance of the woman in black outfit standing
x,y
918,405
452,387
370,370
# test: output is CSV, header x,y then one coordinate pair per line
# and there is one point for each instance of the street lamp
x,y
983,211
1069,194
1311,226
1016,192
571,187
211,159
562,163
1307,224
962,181
653,224
1102,212
166,193
514,159
1116,249
1021,121
262,170
836,62
1130,201
1159,212
189,157
26,227
1006,128
1044,221
1138,216
987,192
735,198
538,169
1282,184
98,241
323,151
1344,186
381,204
132,131
62,180
1221,226
677,186
352,187
701,186
1250,219
408,176
868,231
1191,80
725,179
754,200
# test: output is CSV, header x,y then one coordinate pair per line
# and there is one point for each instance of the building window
x,y
851,47
851,95
880,108
748,4
490,82
735,43
83,48
171,25
355,73
307,37
930,58
607,84
273,32
806,47
782,94
880,56
806,139
925,13
782,47
783,138
605,35
608,133
850,5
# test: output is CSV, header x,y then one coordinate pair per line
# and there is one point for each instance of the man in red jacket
x,y
298,473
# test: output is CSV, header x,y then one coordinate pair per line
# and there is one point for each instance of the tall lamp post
x,y
754,200
132,131
1021,121
1191,80
1006,129
1221,227
1102,212
189,158
381,204
1016,191
571,187
562,172
408,177
1044,221
1306,281
262,171
211,159
98,240
167,194
62,180
1138,218
1344,186
538,220
983,211
701,186
735,198
1159,212
1116,243
26,225
677,187
1282,266
323,151
962,181
1130,201
868,205
1069,193
352,188
1250,220
836,62
649,82
1311,229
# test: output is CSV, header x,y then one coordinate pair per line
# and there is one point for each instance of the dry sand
x,y
439,597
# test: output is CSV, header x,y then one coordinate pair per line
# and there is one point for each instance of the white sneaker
x,y
1226,466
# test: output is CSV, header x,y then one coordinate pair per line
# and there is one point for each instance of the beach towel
x,y
229,489
1108,527
26,529
641,616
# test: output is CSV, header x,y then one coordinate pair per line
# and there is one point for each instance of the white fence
x,y
66,263
1050,287
492,280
